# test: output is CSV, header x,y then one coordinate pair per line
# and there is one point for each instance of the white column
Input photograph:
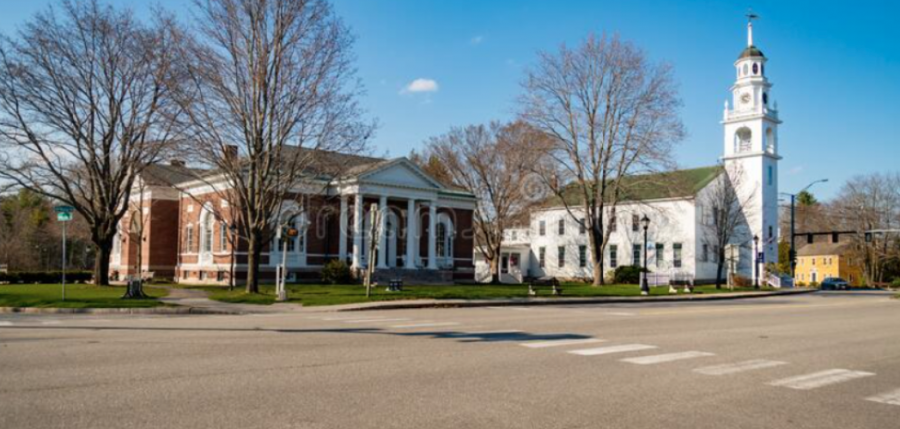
x,y
382,232
358,231
342,227
432,237
412,230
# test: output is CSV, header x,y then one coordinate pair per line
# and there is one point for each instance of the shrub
x,y
896,283
336,272
628,274
741,281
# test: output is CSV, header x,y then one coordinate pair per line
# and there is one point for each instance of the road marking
x,y
612,349
820,379
425,325
669,357
621,314
357,317
50,322
376,320
733,368
890,398
560,343
6,323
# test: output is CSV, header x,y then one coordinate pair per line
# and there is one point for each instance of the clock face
x,y
745,98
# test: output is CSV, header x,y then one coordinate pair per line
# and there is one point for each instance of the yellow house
x,y
818,261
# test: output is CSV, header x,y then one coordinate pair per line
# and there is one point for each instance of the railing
x,y
779,282
660,279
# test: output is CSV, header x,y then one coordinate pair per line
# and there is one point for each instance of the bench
x,y
552,282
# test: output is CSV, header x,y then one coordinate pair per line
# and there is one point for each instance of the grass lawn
x,y
315,295
77,296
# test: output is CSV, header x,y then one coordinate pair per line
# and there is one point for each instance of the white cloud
x,y
421,85
476,40
796,170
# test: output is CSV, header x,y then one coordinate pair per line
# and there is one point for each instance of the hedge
x,y
31,277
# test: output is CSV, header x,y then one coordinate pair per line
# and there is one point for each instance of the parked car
x,y
834,283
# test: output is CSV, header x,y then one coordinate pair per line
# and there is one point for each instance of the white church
x,y
553,244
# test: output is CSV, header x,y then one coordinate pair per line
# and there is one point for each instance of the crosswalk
x,y
820,379
734,368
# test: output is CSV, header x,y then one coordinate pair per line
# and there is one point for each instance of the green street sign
x,y
63,216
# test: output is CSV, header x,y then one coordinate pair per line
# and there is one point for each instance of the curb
x,y
388,305
150,310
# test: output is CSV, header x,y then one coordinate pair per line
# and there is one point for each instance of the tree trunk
x,y
101,263
598,273
253,255
719,266
495,271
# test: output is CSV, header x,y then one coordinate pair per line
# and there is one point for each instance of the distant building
x,y
679,204
818,261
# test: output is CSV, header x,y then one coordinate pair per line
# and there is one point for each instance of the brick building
x,y
179,225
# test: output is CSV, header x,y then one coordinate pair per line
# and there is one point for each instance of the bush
x,y
628,274
336,272
46,277
741,281
896,283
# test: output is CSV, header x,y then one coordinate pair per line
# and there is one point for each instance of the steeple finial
x,y
750,17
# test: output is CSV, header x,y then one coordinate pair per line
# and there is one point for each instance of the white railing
x,y
779,282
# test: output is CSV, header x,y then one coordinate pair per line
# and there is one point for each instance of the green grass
x,y
77,296
316,295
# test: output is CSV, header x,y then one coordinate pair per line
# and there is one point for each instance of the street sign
x,y
761,257
64,213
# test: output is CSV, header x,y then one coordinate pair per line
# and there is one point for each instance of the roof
x,y
168,174
751,51
819,249
657,186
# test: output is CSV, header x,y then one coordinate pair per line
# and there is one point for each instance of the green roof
x,y
644,187
751,51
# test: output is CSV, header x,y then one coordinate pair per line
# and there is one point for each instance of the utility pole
x,y
792,254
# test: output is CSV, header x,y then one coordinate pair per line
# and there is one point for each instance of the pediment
x,y
401,173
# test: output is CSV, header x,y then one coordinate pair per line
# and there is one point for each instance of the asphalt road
x,y
826,360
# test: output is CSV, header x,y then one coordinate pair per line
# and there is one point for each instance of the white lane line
x,y
620,313
820,379
612,349
425,325
734,368
50,322
357,317
511,308
890,398
560,343
4,323
375,320
668,357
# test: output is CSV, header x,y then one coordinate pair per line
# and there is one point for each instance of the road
x,y
825,360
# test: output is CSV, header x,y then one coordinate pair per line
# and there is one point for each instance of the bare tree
x,y
872,202
495,163
136,230
84,107
271,87
611,113
726,209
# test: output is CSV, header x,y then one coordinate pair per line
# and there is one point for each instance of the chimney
x,y
231,152
176,163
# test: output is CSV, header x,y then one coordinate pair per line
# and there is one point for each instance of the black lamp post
x,y
645,285
232,228
756,262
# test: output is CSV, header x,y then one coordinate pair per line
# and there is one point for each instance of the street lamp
x,y
756,262
793,253
645,286
232,229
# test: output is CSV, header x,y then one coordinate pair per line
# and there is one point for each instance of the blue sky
x,y
835,66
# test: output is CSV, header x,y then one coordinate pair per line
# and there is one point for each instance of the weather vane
x,y
751,16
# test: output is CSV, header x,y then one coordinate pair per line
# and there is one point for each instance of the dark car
x,y
834,283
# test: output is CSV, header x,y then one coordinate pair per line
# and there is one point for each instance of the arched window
x,y
444,237
206,234
223,236
770,140
441,238
743,139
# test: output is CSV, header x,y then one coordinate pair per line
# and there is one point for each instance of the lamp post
x,y
793,252
645,286
232,228
756,262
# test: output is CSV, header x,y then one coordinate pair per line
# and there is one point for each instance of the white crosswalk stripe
x,y
376,320
425,325
4,323
560,343
889,398
820,379
612,349
734,368
668,357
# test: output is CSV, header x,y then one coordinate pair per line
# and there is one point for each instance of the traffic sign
x,y
64,213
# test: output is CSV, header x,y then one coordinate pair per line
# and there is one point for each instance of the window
x,y
676,255
771,232
207,233
636,255
562,227
582,228
542,228
542,256
660,254
184,274
220,276
582,256
561,256
770,175
705,257
635,223
223,236
613,256
441,239
814,261
612,224
513,235
189,238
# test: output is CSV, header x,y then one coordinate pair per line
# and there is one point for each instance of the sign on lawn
x,y
64,213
